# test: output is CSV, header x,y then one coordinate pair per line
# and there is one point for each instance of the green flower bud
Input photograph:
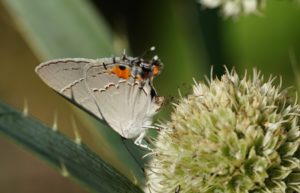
x,y
230,135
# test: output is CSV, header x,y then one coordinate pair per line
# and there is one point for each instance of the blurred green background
x,y
189,40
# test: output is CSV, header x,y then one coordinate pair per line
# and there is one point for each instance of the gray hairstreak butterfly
x,y
118,91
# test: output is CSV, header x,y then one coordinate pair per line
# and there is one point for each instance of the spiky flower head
x,y
233,8
230,135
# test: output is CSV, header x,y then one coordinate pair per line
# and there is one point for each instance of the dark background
x,y
189,40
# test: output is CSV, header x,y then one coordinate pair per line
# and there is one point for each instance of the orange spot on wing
x,y
121,71
155,70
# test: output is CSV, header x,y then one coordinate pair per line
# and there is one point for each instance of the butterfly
x,y
117,91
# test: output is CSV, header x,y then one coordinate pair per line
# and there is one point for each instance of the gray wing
x,y
125,105
67,77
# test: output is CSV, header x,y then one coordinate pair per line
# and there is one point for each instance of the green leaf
x,y
61,28
74,160
72,28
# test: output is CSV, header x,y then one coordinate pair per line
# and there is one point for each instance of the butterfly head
x,y
147,68
140,68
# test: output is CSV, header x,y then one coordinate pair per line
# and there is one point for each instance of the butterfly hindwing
x,y
67,77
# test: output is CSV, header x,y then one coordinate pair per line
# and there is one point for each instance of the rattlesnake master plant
x,y
231,135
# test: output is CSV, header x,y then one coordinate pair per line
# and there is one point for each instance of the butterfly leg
x,y
139,140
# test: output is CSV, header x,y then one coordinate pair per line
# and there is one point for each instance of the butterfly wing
x,y
67,77
125,105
